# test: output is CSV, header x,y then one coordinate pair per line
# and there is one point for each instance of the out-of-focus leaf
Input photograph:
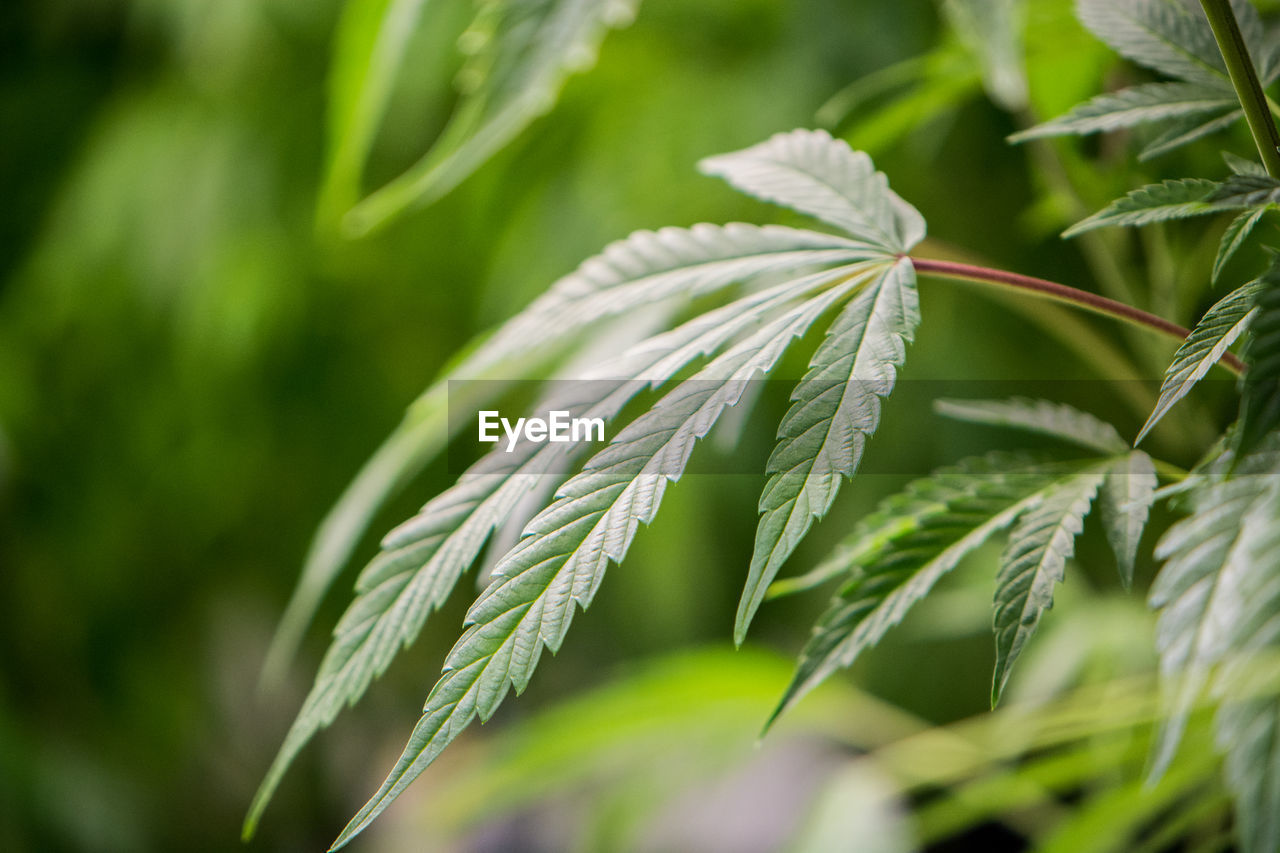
x,y
1125,499
369,49
1041,416
520,54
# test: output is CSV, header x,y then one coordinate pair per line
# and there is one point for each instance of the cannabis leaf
x,y
1218,596
837,403
647,268
423,558
1169,200
895,555
559,563
1174,39
1233,238
1125,501
1164,36
1203,348
1042,416
1136,105
1033,563
836,407
519,56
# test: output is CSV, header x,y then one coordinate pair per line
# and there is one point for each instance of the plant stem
x,y
1226,30
1062,293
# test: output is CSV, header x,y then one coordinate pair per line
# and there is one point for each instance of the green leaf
x,y
1233,238
1260,388
560,561
1248,718
423,558
992,30
895,556
369,49
646,268
521,55
1186,130
1164,36
809,171
1041,416
836,408
1125,502
1241,166
1133,106
1033,563
1178,199
1203,348
1195,591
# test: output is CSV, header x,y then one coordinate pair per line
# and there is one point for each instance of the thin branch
x,y
1062,293
1226,30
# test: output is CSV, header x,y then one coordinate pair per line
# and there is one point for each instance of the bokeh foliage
x,y
194,361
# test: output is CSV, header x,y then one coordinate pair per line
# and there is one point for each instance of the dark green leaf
x,y
896,555
1177,199
1203,348
1033,563
1233,238
1135,105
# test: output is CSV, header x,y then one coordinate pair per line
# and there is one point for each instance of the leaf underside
x,y
792,279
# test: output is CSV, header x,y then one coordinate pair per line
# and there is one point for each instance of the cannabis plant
x,y
855,272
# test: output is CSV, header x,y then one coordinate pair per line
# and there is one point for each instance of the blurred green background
x,y
191,370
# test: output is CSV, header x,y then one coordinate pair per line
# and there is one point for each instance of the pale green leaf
x,y
1203,348
1196,590
558,565
520,56
836,408
992,30
1233,238
1040,416
810,172
895,556
1168,37
646,268
1125,502
1133,106
423,558
1032,565
1248,717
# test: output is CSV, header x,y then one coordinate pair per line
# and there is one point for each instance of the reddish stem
x,y
1063,293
